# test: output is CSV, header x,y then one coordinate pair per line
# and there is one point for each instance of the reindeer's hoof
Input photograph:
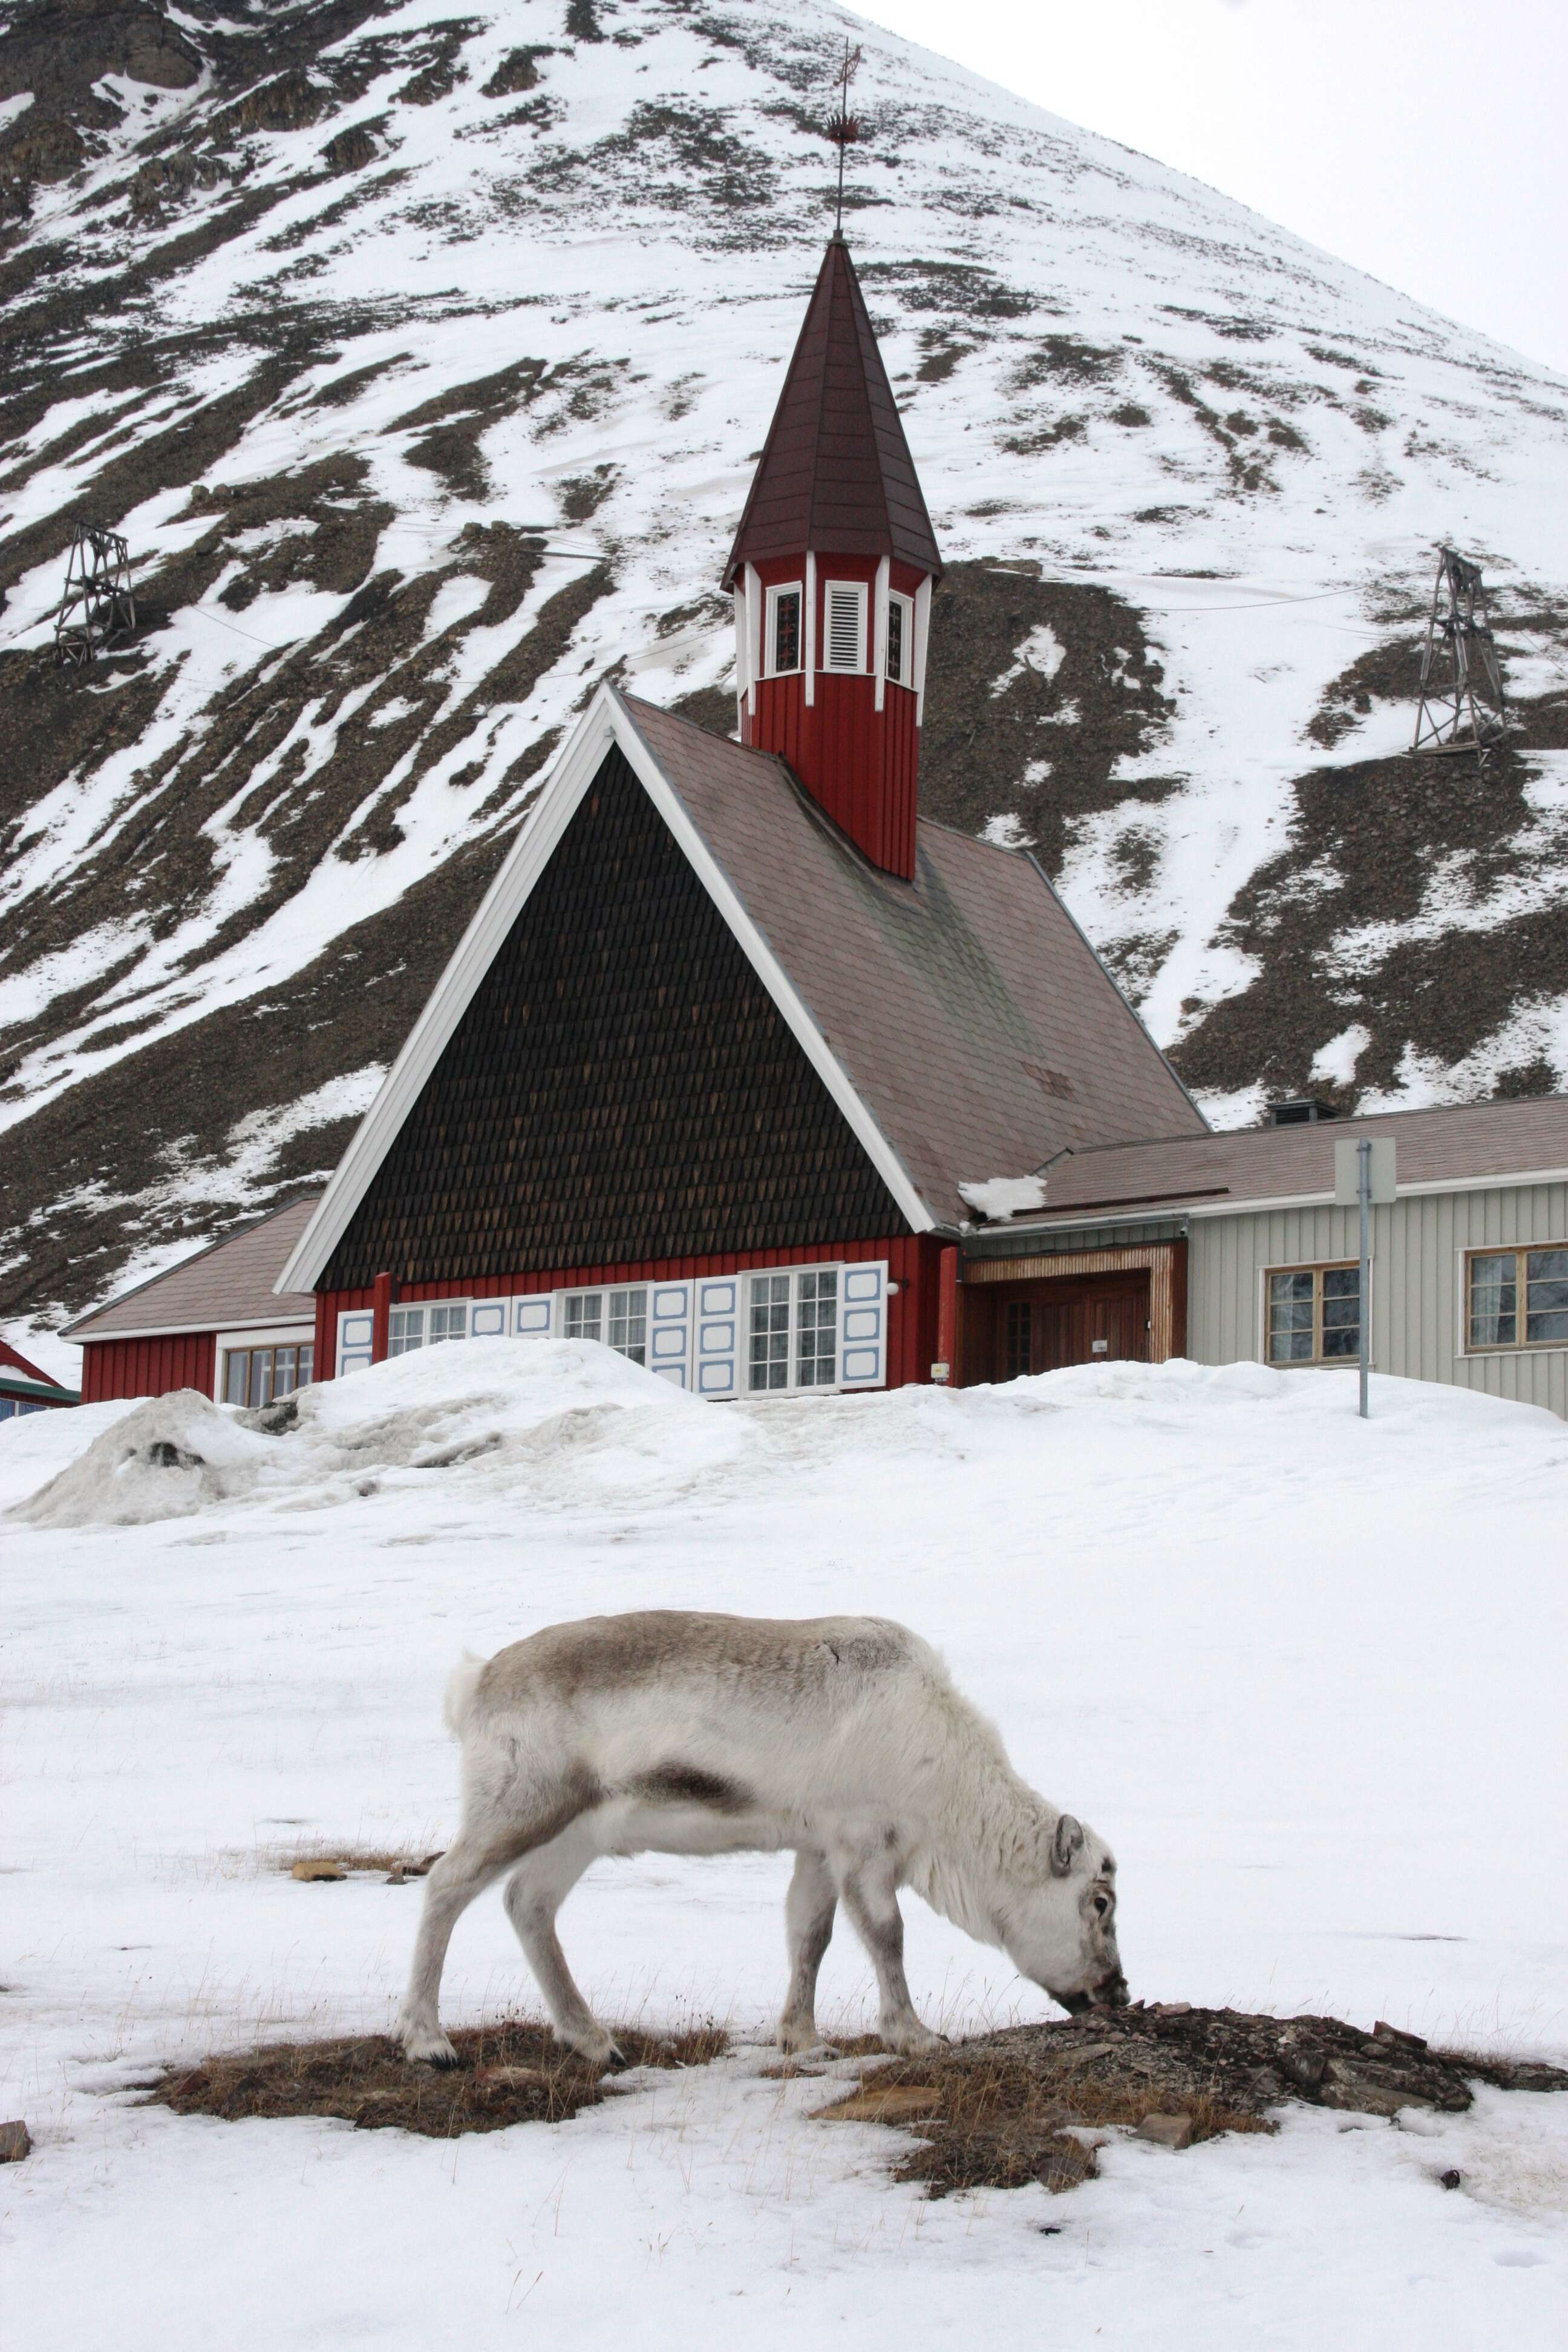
x,y
617,2062
911,2041
430,2050
796,2039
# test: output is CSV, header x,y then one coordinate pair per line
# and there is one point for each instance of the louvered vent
x,y
846,624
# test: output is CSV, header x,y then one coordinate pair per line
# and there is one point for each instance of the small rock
x,y
1383,2032
318,1868
898,2103
1366,2099
1173,2009
1166,2131
15,2142
1066,2164
1450,2179
512,2078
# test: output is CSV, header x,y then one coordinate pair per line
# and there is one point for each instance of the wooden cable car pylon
x,y
98,608
1463,708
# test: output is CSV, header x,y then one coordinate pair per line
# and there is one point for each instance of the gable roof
x,y
962,1023
1449,1147
13,1360
226,1287
835,474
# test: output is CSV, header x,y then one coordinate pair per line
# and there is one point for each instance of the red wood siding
x,y
860,764
912,1263
136,1367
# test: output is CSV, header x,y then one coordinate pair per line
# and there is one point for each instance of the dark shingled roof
x,y
835,474
967,1008
224,1287
1457,1144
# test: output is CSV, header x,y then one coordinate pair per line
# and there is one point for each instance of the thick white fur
x,y
462,1685
843,1739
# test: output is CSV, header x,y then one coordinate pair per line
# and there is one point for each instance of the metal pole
x,y
1363,1196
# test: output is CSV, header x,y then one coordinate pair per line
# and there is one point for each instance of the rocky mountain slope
x,y
421,358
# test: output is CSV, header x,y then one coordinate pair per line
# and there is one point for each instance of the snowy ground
x,y
1307,1674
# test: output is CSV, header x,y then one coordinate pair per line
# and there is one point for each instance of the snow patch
x,y
1004,1196
1335,1060
1041,651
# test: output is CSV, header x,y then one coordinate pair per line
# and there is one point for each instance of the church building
x,y
746,1069
734,1025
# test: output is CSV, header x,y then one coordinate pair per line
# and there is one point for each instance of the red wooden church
x,y
732,1024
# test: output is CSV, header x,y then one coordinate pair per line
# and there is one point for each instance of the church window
x,y
845,630
900,639
793,1330
427,1326
783,631
616,1318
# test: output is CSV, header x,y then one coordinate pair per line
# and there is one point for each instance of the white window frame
x,y
797,1277
861,591
904,675
246,1340
570,1305
775,595
411,1325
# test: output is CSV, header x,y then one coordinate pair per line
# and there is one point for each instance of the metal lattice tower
x,y
98,607
1462,703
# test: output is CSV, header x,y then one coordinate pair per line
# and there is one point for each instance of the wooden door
x,y
1099,1324
1042,1326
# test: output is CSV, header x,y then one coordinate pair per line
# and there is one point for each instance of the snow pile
x,y
168,1456
545,1415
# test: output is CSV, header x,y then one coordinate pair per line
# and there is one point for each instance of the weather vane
x,y
844,128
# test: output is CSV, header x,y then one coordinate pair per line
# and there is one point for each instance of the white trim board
x,y
606,724
1157,1212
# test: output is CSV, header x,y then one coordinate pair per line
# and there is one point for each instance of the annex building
x,y
744,1068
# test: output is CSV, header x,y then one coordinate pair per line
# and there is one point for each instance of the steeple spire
x,y
835,474
832,570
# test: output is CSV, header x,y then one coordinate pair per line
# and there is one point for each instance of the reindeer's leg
x,y
534,1894
869,1890
808,1928
465,1870
497,1830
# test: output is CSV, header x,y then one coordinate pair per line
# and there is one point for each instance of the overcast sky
x,y
1421,138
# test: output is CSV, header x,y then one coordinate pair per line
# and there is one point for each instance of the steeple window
x,y
783,631
900,639
846,603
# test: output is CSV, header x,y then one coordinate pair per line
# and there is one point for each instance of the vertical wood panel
x,y
135,1368
1418,1244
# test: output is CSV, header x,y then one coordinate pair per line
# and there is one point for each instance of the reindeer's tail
x,y
462,1682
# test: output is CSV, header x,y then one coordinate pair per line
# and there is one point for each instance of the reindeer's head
x,y
1059,1926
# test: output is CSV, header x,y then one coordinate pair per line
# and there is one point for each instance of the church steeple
x,y
832,570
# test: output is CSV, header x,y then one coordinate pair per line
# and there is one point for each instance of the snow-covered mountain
x,y
422,359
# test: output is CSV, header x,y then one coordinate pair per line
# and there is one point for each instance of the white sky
x,y
1420,139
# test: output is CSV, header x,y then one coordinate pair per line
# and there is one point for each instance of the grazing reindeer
x,y
841,1738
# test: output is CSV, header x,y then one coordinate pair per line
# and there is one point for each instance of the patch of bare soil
x,y
1005,2110
510,2074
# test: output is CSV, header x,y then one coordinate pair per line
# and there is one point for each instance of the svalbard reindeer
x,y
839,1738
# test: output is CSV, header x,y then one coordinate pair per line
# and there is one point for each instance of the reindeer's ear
x,y
1067,1840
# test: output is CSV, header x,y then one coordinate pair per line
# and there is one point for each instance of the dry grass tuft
x,y
509,2074
322,1866
1003,2122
